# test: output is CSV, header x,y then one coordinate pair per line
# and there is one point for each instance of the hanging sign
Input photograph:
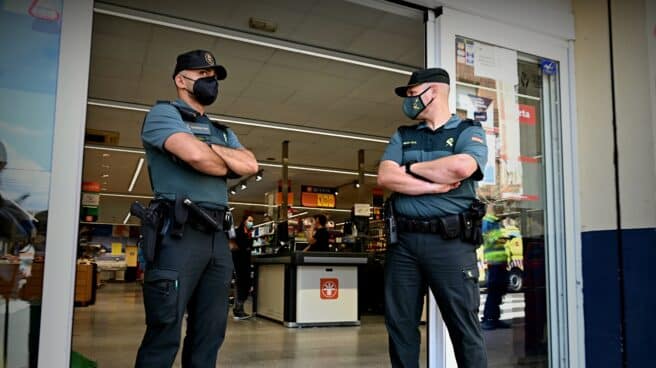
x,y
321,197
362,209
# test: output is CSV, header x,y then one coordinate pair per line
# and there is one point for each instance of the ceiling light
x,y
298,215
336,192
356,184
233,191
252,204
105,175
323,209
292,128
264,164
258,177
248,122
243,185
127,218
135,176
113,149
121,195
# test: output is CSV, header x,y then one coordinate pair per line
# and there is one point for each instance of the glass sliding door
x,y
28,88
504,91
516,83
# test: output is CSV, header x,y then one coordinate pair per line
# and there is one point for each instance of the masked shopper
x,y
241,257
189,266
432,168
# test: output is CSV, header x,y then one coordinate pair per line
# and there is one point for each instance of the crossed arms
x,y
216,161
444,174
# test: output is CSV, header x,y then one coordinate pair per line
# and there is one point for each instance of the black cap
x,y
430,75
199,59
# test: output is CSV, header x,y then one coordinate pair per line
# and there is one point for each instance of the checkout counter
x,y
305,289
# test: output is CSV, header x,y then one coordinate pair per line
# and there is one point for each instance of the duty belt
x,y
197,222
449,227
410,225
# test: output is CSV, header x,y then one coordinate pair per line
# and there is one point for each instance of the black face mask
x,y
414,105
205,90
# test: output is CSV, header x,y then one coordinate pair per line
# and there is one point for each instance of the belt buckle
x,y
425,226
434,227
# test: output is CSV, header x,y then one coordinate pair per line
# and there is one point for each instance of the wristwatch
x,y
409,171
407,167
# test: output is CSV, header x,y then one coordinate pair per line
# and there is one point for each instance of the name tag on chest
x,y
199,129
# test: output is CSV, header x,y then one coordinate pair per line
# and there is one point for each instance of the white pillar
x,y
439,347
63,207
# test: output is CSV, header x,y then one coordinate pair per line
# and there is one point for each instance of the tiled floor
x,y
110,331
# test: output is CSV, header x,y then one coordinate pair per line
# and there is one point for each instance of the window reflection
x,y
503,90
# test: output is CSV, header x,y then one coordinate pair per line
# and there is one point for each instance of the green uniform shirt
x,y
471,141
171,176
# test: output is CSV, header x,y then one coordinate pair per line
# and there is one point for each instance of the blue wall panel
x,y
640,293
602,297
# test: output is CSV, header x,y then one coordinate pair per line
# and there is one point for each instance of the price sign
x,y
326,200
312,196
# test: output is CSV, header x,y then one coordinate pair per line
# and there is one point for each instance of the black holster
x,y
179,217
450,226
152,219
471,222
391,230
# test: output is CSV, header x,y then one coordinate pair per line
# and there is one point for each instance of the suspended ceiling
x,y
132,62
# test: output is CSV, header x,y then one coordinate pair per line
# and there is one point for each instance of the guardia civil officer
x,y
189,157
432,167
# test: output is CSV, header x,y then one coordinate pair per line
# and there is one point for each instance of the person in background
x,y
318,240
241,257
497,256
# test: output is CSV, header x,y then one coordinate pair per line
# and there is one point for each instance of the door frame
x,y
562,230
64,202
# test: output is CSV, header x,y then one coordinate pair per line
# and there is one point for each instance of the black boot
x,y
238,311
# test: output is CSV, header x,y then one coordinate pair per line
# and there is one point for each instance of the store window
x,y
512,95
28,80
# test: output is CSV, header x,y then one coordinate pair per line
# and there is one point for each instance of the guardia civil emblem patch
x,y
209,58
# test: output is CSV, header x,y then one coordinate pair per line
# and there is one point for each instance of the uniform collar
x,y
180,103
452,123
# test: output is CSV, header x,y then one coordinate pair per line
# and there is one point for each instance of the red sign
x,y
527,114
90,186
329,288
